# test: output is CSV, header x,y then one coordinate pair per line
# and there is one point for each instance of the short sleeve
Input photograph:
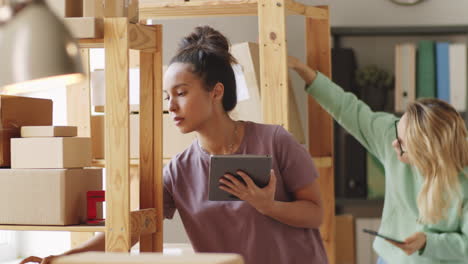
x,y
169,204
294,161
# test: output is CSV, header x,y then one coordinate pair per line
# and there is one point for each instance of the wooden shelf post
x,y
151,191
321,126
117,145
273,62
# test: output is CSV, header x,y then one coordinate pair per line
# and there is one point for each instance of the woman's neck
x,y
220,136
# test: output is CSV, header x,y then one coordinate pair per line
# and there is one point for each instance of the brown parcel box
x,y
50,153
49,131
150,258
17,111
46,197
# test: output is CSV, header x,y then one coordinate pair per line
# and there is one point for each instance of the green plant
x,y
372,76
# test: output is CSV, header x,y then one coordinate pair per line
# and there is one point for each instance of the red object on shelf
x,y
94,197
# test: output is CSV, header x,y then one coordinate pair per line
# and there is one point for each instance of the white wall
x,y
386,13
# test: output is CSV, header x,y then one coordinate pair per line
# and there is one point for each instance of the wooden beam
x,y
150,9
78,101
321,126
308,11
143,222
273,62
142,38
117,149
91,43
151,183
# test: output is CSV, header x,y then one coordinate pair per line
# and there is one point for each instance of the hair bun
x,y
206,40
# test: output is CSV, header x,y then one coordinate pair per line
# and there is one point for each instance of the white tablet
x,y
256,166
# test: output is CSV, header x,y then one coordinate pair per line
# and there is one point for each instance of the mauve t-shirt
x,y
235,226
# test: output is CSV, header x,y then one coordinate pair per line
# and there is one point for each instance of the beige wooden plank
x,y
73,228
91,43
117,146
150,258
296,8
321,126
78,238
150,9
143,221
78,101
151,148
142,37
273,62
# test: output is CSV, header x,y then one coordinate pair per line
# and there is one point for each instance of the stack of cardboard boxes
x,y
47,181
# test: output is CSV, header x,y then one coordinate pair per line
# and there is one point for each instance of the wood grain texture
x,y
321,126
91,43
162,9
150,9
117,149
273,62
151,184
295,8
142,38
78,101
143,221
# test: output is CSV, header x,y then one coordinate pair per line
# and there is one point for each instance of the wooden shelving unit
x,y
274,73
119,37
121,224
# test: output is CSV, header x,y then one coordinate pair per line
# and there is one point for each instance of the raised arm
x,y
374,130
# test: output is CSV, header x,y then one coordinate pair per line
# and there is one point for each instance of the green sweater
x,y
447,241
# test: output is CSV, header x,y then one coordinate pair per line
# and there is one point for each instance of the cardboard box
x,y
150,258
66,8
49,131
345,242
50,153
46,197
17,111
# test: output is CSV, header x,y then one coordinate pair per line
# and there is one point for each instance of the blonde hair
x,y
437,146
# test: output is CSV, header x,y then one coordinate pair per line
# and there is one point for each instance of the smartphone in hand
x,y
375,233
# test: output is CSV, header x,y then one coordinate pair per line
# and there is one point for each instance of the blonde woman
x,y
425,155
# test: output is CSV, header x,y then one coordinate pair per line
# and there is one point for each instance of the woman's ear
x,y
218,92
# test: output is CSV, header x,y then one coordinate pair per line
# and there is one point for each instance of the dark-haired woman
x,y
276,224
